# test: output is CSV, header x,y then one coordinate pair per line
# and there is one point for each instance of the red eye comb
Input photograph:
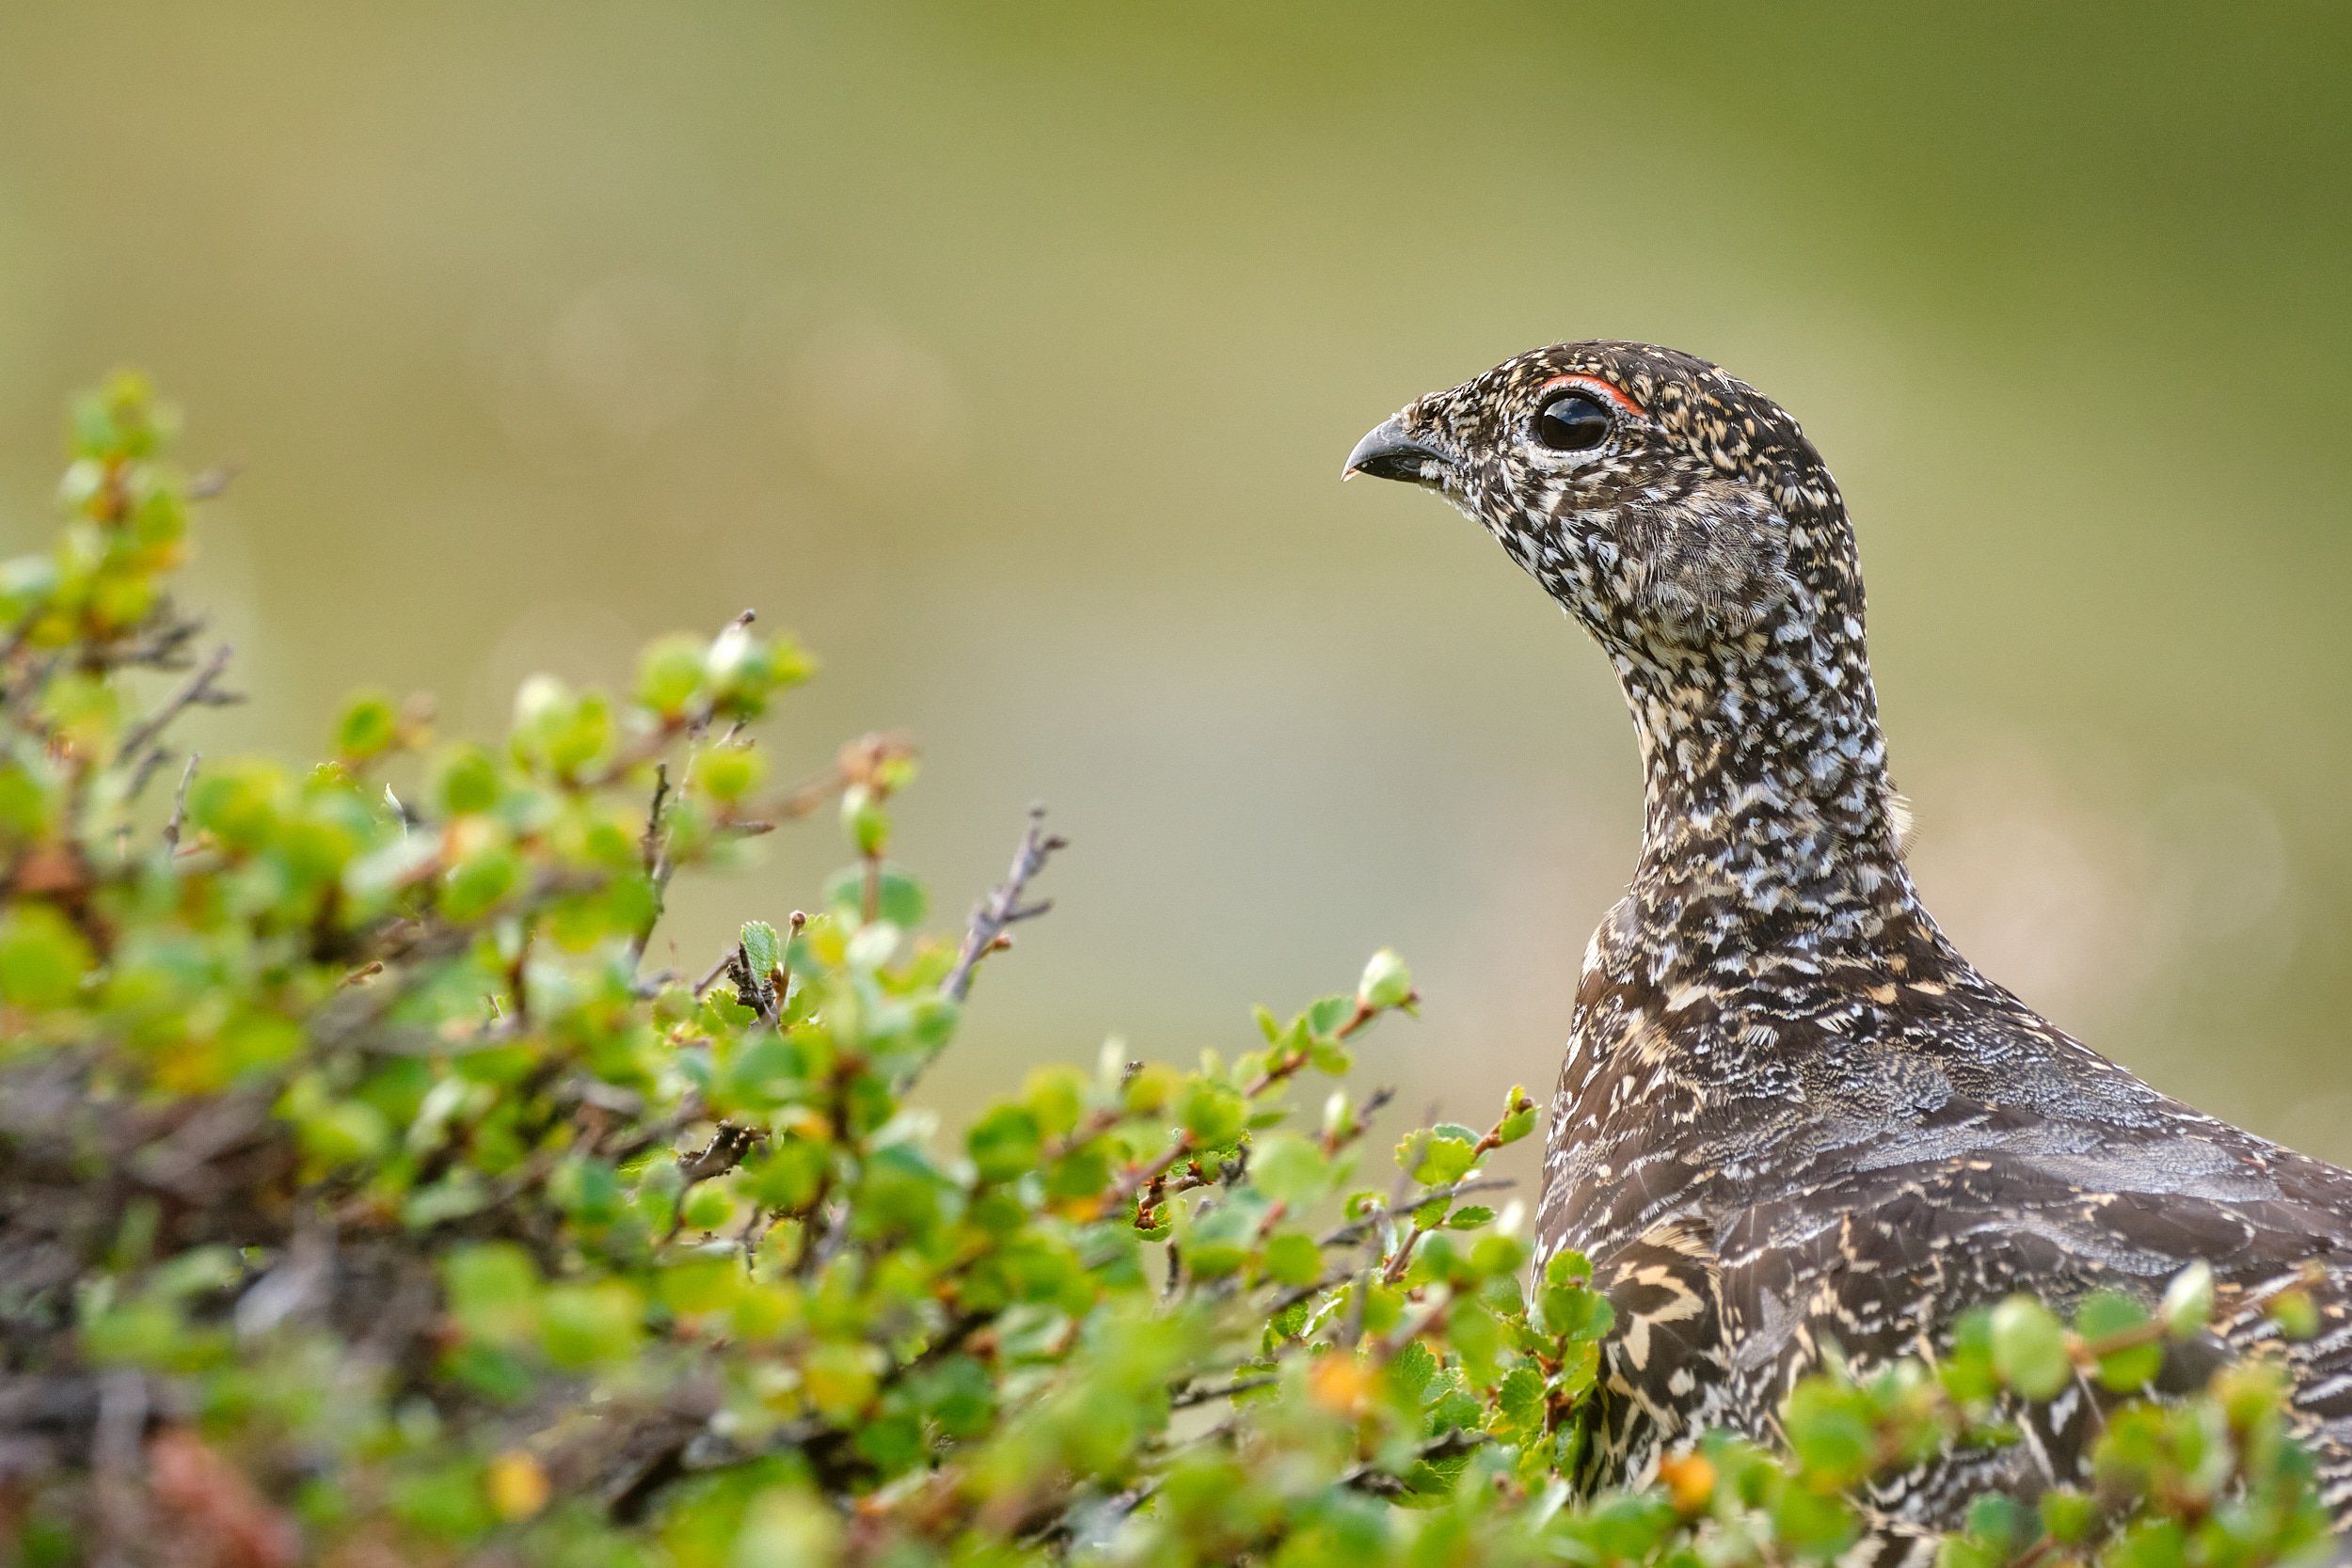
x,y
1599,388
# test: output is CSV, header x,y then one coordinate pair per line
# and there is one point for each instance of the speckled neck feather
x,y
1769,821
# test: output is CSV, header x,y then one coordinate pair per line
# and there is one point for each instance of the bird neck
x,y
1770,821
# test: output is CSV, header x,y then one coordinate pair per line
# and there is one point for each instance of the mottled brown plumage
x,y
1791,1112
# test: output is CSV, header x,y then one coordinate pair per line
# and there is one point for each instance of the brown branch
x,y
1358,1124
713,974
1380,1483
1003,908
1355,1229
1143,1176
652,851
755,990
1285,1067
144,773
212,482
198,690
649,843
726,1151
1191,1396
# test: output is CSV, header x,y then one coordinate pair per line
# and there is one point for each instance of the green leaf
x,y
1498,1257
1212,1112
2029,1348
493,1292
2187,1304
42,957
727,773
1327,1013
762,948
1288,1168
901,902
1056,1095
477,883
1519,1402
2150,1544
467,782
1567,1267
2068,1516
1435,1159
707,1207
864,821
2128,1371
1411,1370
1831,1433
1292,1257
1573,1312
2295,1313
589,1326
367,728
2124,1368
1386,983
670,673
1966,1370
1813,1525
1004,1144
2106,1313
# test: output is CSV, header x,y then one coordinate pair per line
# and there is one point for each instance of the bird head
x,y
1669,506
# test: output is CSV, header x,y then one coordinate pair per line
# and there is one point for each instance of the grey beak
x,y
1390,451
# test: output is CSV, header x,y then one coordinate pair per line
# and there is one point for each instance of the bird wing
x,y
1879,1260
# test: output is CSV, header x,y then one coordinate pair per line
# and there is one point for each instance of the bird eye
x,y
1574,421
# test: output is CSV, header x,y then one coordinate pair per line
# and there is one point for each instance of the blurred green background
x,y
1009,352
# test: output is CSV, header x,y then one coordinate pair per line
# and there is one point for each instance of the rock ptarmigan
x,y
1791,1112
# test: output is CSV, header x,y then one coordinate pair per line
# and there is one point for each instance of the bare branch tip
x,y
1003,907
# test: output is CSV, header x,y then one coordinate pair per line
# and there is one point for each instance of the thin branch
x,y
1141,1177
212,482
716,972
1003,908
180,807
1355,1229
149,766
1191,1396
649,843
725,1151
829,1242
653,849
754,990
1380,1483
197,691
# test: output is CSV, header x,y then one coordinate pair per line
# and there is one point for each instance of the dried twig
x,y
1369,1477
715,973
212,482
144,773
121,1429
198,692
1358,1228
1003,908
180,805
1191,1396
725,1151
754,990
653,849
649,843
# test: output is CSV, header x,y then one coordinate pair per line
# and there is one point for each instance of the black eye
x,y
1574,421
